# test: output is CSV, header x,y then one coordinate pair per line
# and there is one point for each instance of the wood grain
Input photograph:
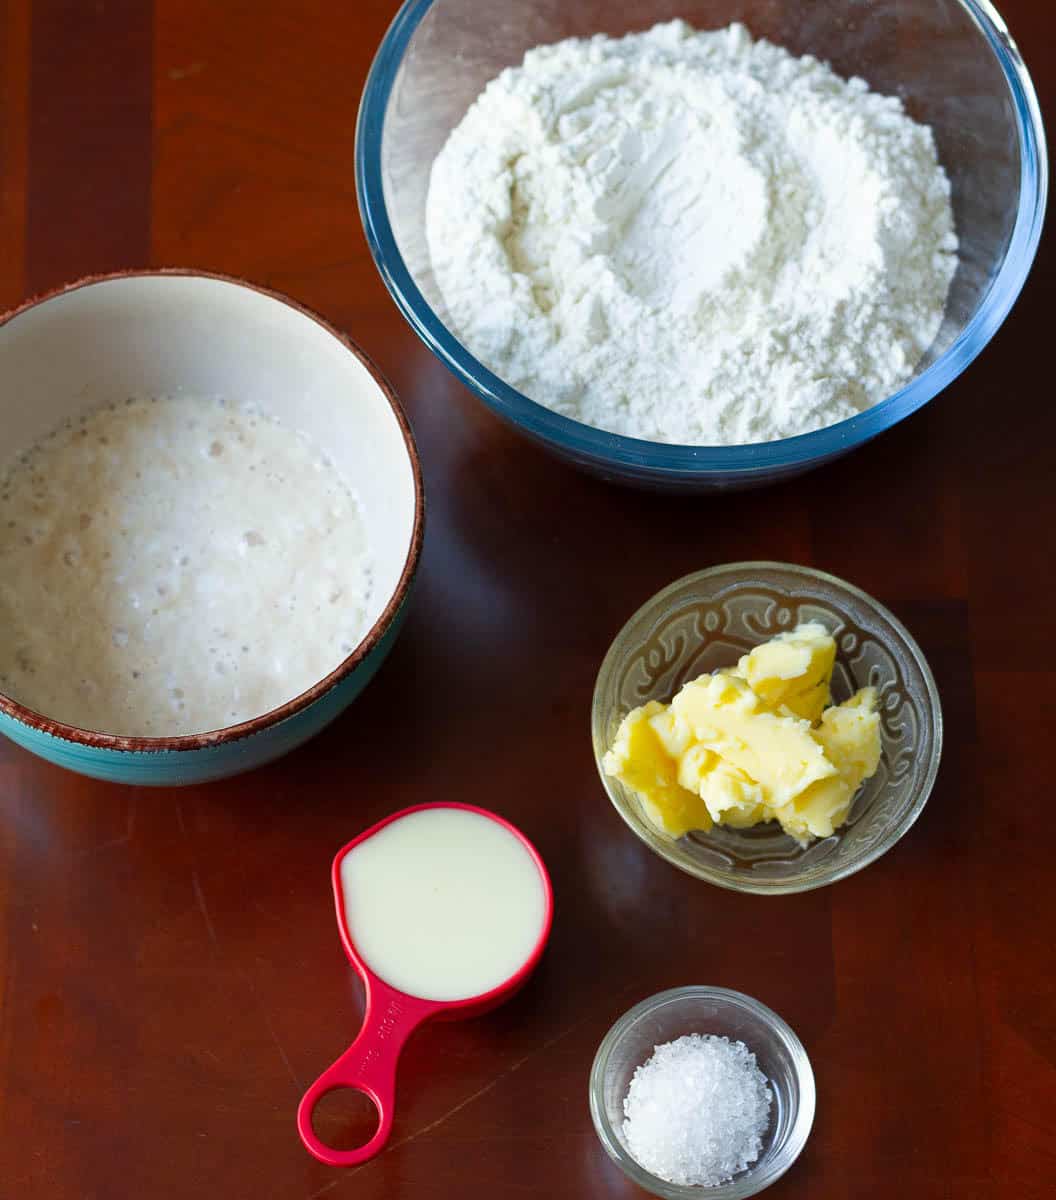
x,y
14,107
171,977
89,140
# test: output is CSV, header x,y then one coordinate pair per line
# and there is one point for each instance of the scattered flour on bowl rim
x,y
691,237
696,1110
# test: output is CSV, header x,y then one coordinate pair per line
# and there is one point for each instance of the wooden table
x,y
171,976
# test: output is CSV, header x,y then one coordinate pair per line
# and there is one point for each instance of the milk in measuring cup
x,y
444,903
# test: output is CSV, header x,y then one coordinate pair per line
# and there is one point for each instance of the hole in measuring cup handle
x,y
368,1066
345,1118
340,1156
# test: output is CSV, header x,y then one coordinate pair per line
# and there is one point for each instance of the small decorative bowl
x,y
708,620
166,331
724,1013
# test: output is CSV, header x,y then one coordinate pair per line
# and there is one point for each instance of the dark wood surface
x,y
170,973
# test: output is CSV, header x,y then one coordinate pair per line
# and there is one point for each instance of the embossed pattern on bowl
x,y
708,620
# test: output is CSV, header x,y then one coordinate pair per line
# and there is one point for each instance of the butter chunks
x,y
682,784
850,734
774,749
640,760
850,737
792,670
757,742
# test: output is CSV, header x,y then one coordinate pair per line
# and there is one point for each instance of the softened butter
x,y
756,742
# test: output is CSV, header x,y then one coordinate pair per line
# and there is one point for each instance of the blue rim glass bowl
x,y
951,61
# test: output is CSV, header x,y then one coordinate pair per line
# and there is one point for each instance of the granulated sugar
x,y
697,1110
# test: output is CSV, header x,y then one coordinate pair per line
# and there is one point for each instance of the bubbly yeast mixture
x,y
174,565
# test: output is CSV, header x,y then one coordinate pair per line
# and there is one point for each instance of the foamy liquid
x,y
174,565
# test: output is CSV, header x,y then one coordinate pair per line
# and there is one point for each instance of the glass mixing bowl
x,y
708,620
951,61
724,1013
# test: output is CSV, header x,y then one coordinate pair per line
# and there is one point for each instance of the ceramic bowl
x,y
163,332
708,620
722,1013
952,62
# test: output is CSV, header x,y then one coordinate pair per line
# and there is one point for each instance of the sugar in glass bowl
x,y
708,620
724,1013
951,61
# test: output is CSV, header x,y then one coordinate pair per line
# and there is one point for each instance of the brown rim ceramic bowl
x,y
171,331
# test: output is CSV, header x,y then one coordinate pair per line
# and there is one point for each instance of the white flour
x,y
691,237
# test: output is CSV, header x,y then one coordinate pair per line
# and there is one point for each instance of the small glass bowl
x,y
708,620
724,1013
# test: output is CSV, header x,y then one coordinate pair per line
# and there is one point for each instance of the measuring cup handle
x,y
368,1066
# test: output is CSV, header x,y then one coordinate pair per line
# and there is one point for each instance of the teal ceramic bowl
x,y
162,332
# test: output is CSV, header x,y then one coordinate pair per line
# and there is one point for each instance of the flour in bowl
x,y
171,566
691,237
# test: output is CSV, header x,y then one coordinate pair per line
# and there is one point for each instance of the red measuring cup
x,y
391,1016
